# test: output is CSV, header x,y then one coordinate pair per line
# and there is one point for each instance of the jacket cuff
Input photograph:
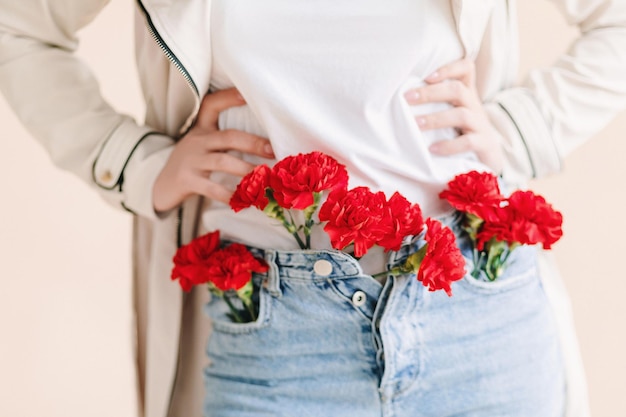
x,y
529,147
144,167
128,164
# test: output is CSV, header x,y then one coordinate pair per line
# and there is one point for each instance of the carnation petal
x,y
443,262
294,179
474,192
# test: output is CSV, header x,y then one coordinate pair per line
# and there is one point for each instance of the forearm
x,y
58,99
557,108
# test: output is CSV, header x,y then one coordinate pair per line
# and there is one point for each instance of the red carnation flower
x,y
407,220
251,190
189,267
499,226
540,224
527,219
294,179
356,216
231,268
474,192
443,262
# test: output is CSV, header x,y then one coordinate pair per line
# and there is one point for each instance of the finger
x,y
463,70
222,162
489,154
238,140
459,117
453,92
454,146
211,190
215,103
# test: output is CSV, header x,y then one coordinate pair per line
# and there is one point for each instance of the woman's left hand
x,y
455,83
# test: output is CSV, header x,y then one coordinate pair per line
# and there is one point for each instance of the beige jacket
x,y
58,100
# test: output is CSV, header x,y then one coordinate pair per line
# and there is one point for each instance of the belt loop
x,y
391,259
272,282
393,256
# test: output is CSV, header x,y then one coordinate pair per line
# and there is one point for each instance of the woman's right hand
x,y
202,151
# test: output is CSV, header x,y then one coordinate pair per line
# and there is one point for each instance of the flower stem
x,y
308,218
475,259
233,310
299,240
394,271
307,230
381,274
291,226
251,309
478,264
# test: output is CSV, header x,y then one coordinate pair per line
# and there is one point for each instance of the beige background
x,y
64,254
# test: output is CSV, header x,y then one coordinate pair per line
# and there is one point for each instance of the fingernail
x,y
240,97
434,148
267,148
412,95
432,76
421,121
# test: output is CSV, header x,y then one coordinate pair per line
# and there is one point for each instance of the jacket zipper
x,y
183,71
179,215
167,51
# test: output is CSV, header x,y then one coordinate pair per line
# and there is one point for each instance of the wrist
x,y
141,173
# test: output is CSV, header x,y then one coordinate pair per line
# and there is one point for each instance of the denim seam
x,y
359,323
263,321
393,302
495,287
305,280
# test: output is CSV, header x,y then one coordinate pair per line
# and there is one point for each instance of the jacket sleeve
x,y
558,108
57,98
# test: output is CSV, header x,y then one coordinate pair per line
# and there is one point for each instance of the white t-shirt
x,y
330,75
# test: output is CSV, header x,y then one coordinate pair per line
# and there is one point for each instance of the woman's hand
x,y
455,83
202,151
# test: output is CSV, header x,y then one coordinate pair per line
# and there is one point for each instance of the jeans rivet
x,y
359,298
323,267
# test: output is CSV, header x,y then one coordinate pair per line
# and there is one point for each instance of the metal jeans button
x,y
323,267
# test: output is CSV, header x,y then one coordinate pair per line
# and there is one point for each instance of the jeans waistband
x,y
324,264
413,243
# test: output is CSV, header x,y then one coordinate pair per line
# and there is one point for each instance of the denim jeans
x,y
331,341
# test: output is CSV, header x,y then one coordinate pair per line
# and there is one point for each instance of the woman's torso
x,y
170,108
331,76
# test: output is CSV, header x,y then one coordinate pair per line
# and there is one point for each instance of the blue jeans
x,y
336,343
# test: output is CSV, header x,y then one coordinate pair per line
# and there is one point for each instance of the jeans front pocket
x,y
520,269
218,312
